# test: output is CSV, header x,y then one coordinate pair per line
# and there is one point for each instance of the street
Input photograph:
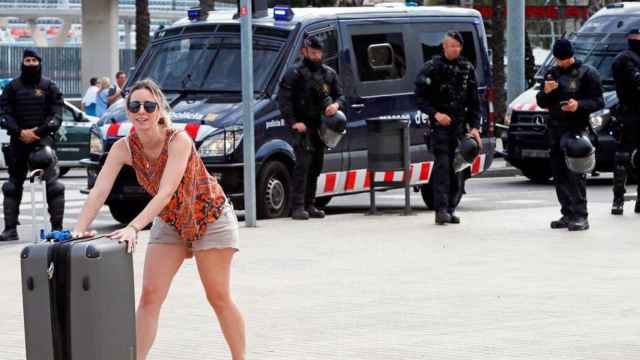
x,y
501,285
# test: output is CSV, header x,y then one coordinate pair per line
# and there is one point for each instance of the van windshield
x,y
208,64
596,49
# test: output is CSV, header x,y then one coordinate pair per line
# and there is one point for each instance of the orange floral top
x,y
199,198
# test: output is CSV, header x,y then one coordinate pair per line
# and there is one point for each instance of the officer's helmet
x,y
635,159
41,158
580,155
332,128
466,153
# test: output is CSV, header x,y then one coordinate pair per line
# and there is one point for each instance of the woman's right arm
x,y
117,157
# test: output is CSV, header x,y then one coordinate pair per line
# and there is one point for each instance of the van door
x,y
381,86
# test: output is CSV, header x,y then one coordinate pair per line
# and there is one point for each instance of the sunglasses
x,y
149,106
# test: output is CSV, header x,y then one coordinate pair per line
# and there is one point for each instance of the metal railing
x,y
61,64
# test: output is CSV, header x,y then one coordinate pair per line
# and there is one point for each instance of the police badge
x,y
39,92
572,85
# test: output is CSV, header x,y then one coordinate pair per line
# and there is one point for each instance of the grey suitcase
x,y
78,300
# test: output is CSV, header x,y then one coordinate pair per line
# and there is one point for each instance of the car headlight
x,y
96,145
221,144
507,116
600,119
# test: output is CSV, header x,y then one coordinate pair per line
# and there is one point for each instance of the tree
x,y
498,46
205,7
529,62
143,20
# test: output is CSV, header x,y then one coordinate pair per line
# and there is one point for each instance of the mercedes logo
x,y
538,120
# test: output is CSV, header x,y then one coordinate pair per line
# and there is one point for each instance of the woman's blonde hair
x,y
104,83
154,89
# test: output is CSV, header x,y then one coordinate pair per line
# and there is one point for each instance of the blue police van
x,y
597,43
197,64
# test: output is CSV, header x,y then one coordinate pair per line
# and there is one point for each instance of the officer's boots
x,y
11,212
9,234
454,219
314,212
561,223
637,209
442,217
300,214
618,205
579,224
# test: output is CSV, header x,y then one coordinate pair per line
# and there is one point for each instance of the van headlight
x,y
221,144
507,116
600,119
96,145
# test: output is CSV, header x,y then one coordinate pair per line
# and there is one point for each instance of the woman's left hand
x,y
128,235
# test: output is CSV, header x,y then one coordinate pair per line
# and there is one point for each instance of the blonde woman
x,y
103,92
189,210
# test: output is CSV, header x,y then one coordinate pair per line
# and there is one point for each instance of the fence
x,y
61,64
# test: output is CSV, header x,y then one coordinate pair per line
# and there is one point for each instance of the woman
x,y
103,92
192,216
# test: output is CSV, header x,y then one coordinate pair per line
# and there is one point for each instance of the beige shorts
x,y
220,234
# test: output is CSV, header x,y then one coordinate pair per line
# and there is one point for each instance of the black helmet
x,y
332,128
635,159
466,153
42,158
580,155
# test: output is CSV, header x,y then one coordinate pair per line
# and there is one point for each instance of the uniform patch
x,y
427,81
325,88
39,92
572,85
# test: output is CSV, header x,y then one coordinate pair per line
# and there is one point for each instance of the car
x,y
597,43
72,139
197,65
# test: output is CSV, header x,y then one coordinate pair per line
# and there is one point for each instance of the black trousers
x,y
309,151
447,184
629,141
16,156
571,188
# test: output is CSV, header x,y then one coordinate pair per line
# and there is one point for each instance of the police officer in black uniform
x,y
447,91
572,91
626,73
31,112
308,90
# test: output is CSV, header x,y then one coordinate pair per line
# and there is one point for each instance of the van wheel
x,y
274,191
124,212
322,202
536,173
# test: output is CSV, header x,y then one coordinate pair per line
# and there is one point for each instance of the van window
x,y
432,45
361,45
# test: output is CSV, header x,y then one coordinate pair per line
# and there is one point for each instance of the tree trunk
x,y
529,62
498,46
142,26
205,7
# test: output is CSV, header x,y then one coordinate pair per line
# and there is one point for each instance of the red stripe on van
x,y
330,183
350,184
192,130
424,172
112,131
475,167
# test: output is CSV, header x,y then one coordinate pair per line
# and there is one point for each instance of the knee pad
x,y
10,189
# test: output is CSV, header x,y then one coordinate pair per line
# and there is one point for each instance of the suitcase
x,y
78,300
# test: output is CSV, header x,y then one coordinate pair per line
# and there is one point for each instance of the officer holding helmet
x,y
31,112
447,91
626,73
571,92
309,90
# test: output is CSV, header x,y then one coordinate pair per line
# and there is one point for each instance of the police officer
x,y
572,91
308,90
31,112
447,91
626,73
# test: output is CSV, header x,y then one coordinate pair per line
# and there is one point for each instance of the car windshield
x,y
597,50
208,64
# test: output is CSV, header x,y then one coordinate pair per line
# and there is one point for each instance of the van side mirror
x,y
380,56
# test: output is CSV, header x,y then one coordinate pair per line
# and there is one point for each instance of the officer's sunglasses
x,y
149,106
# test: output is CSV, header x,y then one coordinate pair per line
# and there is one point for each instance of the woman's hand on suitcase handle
x,y
79,234
127,234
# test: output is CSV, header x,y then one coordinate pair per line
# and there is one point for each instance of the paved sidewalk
x,y
500,286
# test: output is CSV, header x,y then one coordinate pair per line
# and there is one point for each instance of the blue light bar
x,y
193,14
282,13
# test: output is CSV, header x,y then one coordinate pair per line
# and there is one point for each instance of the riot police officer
x,y
31,112
626,73
572,91
447,91
307,91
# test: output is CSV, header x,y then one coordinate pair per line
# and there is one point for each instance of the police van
x,y
597,43
197,64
